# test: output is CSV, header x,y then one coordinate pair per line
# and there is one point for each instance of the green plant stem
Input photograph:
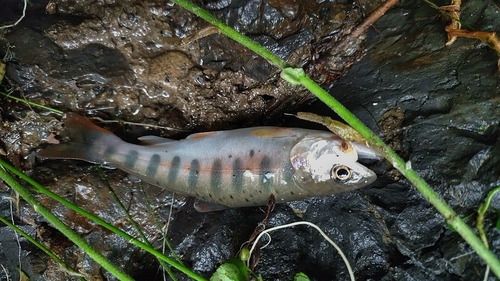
x,y
480,215
233,34
450,216
101,222
480,222
41,247
64,229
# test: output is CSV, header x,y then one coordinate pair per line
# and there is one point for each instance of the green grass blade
x,y
132,221
64,229
150,210
482,212
480,222
41,247
101,222
30,103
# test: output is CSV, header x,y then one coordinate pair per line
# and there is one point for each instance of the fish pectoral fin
x,y
204,206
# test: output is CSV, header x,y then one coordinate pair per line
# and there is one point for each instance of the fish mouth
x,y
364,176
370,177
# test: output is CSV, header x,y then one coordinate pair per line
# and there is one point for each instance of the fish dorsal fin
x,y
154,140
273,132
201,135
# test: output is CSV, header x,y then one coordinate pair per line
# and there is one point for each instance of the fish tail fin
x,y
87,141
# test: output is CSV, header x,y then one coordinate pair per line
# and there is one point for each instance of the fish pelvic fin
x,y
87,141
204,206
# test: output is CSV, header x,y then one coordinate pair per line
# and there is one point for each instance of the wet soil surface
x,y
147,67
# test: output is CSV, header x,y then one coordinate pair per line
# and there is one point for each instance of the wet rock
x,y
15,249
18,141
418,236
353,223
117,60
206,240
284,248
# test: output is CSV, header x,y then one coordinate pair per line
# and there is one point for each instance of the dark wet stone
x,y
418,227
214,236
286,247
356,227
217,4
10,253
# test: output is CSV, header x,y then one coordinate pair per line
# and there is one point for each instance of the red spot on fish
x,y
345,146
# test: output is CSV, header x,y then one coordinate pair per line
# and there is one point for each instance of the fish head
x,y
327,166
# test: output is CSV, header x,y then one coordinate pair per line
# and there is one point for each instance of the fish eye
x,y
341,173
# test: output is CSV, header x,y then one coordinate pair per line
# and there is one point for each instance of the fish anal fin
x,y
204,206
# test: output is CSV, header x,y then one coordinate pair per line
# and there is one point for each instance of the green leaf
x,y
232,270
244,254
300,277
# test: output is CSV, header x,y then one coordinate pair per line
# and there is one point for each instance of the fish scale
x,y
234,168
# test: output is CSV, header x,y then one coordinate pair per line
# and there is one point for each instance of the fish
x,y
230,169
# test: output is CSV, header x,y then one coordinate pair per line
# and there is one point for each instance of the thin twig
x,y
369,21
138,124
6,272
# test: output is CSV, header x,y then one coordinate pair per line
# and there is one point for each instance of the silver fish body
x,y
234,168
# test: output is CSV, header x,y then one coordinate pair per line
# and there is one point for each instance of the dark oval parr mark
x,y
152,168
